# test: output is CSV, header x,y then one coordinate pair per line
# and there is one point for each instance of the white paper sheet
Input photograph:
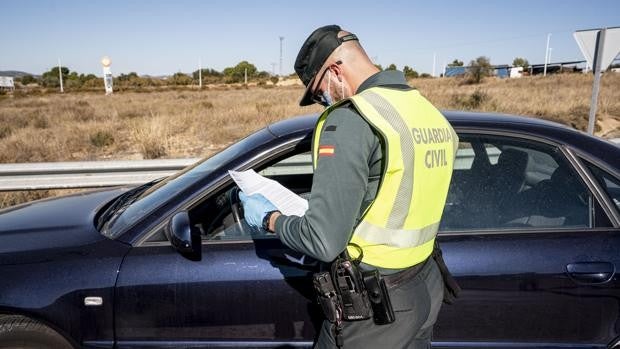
x,y
283,199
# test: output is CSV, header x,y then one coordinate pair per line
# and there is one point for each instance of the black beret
x,y
313,54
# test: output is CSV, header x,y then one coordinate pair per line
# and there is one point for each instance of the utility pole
x,y
60,76
434,62
550,52
200,73
245,75
547,54
281,40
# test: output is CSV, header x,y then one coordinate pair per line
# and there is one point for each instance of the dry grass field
x,y
130,125
195,123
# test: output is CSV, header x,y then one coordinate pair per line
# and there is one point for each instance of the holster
x,y
345,293
451,288
382,311
351,289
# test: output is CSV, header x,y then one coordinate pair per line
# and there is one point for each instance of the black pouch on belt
x,y
350,284
451,287
327,296
382,310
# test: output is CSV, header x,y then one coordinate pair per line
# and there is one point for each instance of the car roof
x,y
580,141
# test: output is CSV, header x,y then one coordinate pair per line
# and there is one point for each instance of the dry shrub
x,y
5,131
470,102
17,150
40,121
101,139
130,113
15,120
80,111
151,138
263,108
204,105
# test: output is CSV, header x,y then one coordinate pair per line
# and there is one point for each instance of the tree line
x,y
74,80
475,72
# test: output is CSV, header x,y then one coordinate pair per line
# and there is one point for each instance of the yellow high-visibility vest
x,y
398,228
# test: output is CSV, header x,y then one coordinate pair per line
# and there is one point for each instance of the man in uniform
x,y
383,159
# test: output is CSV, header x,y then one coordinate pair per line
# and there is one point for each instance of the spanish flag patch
x,y
326,150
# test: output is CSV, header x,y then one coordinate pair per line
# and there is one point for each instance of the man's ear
x,y
336,70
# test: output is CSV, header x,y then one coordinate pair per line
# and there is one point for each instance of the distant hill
x,y
16,74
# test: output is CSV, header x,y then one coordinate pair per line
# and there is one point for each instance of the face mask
x,y
327,97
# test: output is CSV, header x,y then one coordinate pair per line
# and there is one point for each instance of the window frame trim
x,y
512,231
608,206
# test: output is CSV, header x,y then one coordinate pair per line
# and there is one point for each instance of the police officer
x,y
383,159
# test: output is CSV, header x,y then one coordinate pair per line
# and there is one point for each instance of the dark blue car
x,y
531,231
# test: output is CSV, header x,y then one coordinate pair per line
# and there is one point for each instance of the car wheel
x,y
20,332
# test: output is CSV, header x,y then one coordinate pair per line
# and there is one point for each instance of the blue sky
x,y
164,37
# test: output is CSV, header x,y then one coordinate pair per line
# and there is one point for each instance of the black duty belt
x,y
396,279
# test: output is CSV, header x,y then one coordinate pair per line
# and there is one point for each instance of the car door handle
x,y
590,272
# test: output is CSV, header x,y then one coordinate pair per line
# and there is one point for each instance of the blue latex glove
x,y
255,207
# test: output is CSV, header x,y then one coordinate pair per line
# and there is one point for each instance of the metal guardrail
x,y
94,174
86,174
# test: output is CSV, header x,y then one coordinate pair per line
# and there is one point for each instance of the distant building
x,y
454,71
557,67
6,83
516,72
501,71
507,71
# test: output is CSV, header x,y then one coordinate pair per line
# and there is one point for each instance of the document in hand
x,y
286,201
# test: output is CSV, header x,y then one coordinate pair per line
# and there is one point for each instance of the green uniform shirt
x,y
344,183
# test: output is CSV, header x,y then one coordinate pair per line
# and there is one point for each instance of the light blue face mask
x,y
326,95
327,99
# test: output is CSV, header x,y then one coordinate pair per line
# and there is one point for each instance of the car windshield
x,y
161,192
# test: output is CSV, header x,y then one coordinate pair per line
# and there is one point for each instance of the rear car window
x,y
508,183
610,184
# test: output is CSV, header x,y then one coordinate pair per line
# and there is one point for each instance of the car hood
x,y
53,223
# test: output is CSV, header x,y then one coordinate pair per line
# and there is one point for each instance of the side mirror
x,y
183,237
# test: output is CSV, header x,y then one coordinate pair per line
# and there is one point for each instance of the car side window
x,y
608,182
221,217
513,183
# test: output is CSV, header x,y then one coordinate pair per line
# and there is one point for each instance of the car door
x,y
531,248
247,290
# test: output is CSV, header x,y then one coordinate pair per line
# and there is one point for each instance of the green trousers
x,y
416,304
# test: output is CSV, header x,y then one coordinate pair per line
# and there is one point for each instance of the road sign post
x,y
598,54
599,47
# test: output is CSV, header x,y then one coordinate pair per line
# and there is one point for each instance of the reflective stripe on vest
x,y
399,227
